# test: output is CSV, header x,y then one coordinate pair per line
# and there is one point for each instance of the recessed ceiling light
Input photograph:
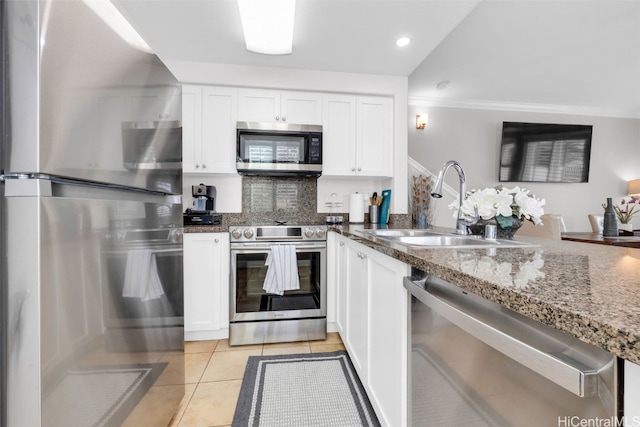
x,y
268,25
403,41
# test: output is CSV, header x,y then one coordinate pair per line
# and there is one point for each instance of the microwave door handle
x,y
582,382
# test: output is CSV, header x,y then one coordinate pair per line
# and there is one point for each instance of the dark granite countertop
x,y
206,228
590,291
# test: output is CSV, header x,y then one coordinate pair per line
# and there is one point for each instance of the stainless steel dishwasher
x,y
473,362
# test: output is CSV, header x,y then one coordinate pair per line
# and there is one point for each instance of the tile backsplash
x,y
267,199
270,199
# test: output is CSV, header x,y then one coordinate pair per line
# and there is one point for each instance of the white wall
x,y
317,81
472,137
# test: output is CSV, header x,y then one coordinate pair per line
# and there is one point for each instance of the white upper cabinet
x,y
272,106
357,136
339,135
219,116
209,115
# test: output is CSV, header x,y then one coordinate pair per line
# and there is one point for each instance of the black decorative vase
x,y
610,226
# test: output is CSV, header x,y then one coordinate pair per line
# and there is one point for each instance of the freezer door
x,y
85,331
83,103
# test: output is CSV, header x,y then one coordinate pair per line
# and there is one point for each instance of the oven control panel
x,y
278,233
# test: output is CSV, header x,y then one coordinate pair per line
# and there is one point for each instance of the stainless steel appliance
x,y
205,197
91,306
204,206
258,316
474,362
278,149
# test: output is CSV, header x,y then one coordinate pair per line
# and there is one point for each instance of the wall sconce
x,y
422,120
633,187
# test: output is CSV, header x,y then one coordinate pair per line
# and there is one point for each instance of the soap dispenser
x,y
610,226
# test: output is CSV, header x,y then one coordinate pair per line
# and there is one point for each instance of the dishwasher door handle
x,y
566,372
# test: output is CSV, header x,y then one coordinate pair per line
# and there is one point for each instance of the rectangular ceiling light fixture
x,y
268,25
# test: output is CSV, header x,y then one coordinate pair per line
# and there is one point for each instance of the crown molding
x,y
422,101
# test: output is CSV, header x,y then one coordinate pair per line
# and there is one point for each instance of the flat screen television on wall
x,y
541,152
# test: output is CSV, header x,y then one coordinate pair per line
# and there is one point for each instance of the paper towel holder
x,y
356,208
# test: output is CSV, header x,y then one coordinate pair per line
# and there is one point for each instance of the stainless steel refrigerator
x,y
91,288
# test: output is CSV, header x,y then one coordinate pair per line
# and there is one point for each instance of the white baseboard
x,y
332,327
218,334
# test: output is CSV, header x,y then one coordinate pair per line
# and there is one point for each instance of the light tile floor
x,y
214,372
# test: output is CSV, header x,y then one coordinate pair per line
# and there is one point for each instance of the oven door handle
x,y
561,369
263,247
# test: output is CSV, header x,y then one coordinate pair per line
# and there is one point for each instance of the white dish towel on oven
x,y
141,278
282,274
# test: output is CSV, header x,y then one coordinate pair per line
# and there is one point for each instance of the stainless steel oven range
x,y
292,313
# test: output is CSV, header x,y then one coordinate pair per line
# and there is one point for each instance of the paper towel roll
x,y
356,207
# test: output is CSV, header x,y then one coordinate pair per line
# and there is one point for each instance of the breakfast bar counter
x,y
628,241
590,291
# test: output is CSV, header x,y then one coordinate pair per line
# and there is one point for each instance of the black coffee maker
x,y
205,198
204,206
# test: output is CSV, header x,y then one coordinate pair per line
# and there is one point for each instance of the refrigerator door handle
x,y
556,367
46,185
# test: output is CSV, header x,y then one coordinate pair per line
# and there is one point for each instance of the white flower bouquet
x,y
507,206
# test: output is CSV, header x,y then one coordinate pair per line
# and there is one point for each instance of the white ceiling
x,y
558,52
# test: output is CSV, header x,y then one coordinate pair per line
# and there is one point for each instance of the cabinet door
x,y
258,105
342,281
191,128
374,142
219,116
337,283
358,309
631,390
387,337
301,108
339,135
206,281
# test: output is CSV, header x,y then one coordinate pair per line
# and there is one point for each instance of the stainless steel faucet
x,y
462,222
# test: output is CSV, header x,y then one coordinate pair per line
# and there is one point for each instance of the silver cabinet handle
x,y
353,169
204,166
341,243
197,165
217,240
277,118
359,169
568,373
284,119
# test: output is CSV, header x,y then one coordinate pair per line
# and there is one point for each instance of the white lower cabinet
x,y
206,286
371,317
631,393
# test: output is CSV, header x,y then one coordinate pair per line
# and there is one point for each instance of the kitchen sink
x,y
433,239
401,233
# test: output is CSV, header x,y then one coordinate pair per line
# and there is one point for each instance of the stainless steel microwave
x,y
278,149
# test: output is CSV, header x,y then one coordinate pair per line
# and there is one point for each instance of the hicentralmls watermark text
x,y
576,421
